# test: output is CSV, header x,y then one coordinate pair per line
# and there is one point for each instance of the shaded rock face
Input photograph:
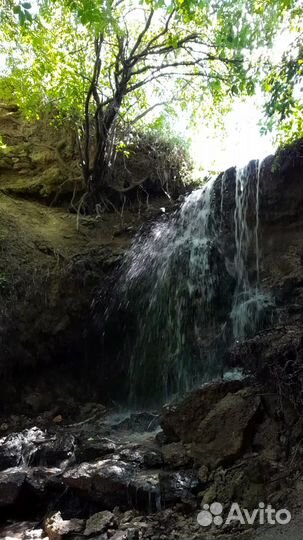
x,y
221,435
103,480
230,420
280,219
274,350
181,421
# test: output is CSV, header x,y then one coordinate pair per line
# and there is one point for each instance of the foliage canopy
x,y
108,65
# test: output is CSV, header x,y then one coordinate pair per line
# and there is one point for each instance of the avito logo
x,y
213,514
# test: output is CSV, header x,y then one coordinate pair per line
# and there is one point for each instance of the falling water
x,y
184,305
250,303
175,270
224,176
258,172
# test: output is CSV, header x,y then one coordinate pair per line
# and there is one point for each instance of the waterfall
x,y
249,303
224,176
172,278
258,172
184,306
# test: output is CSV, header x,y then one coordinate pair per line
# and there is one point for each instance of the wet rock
x,y
9,455
152,458
41,480
175,455
175,486
225,430
55,449
144,490
115,483
55,527
36,534
94,448
11,483
132,455
22,530
18,448
99,523
106,481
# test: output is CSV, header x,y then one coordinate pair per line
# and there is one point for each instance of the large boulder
x,y
180,421
57,448
18,448
94,448
226,430
217,422
113,482
106,481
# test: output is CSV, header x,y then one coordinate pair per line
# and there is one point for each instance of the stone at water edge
x,y
106,481
55,449
177,485
153,458
112,482
37,534
22,530
94,448
99,523
55,527
11,483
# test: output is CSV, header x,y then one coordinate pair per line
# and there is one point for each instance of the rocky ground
x,y
81,471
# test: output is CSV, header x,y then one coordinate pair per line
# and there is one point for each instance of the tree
x,y
109,65
11,11
282,83
154,54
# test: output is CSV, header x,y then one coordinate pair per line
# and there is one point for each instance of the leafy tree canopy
x,y
51,53
283,82
122,63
